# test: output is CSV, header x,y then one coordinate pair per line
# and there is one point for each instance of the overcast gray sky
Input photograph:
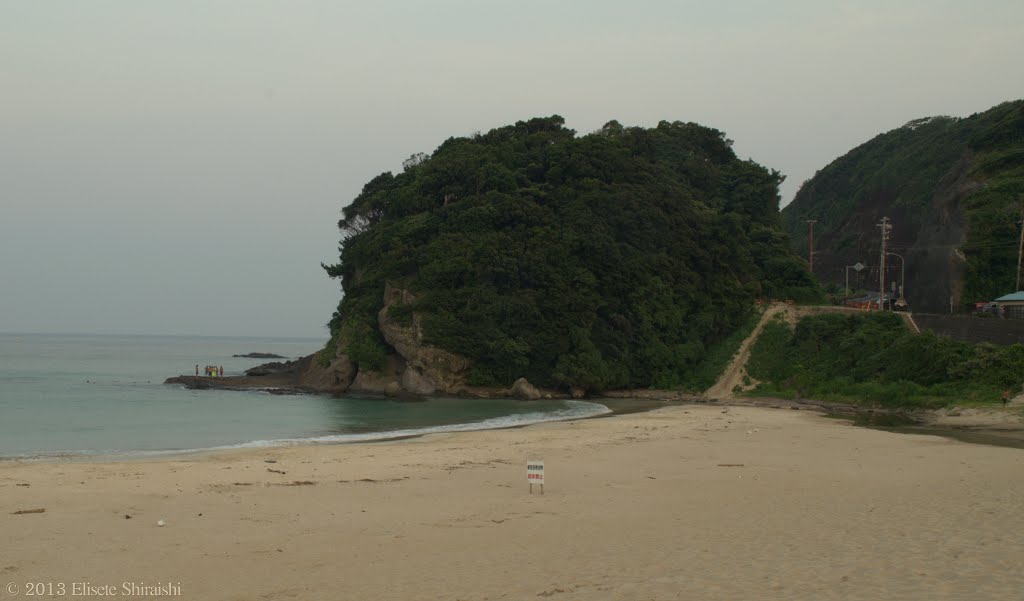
x,y
178,167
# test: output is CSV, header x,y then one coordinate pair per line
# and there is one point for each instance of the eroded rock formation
x,y
428,369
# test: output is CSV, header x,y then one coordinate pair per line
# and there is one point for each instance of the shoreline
x,y
978,425
994,427
351,438
698,501
321,440
285,379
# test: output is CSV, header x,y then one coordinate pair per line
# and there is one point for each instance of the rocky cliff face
x,y
415,368
428,369
336,377
936,266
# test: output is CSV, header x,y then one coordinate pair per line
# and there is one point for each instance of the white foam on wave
x,y
573,410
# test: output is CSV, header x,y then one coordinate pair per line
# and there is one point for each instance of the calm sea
x,y
93,394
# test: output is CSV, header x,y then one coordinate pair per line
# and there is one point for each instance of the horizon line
x,y
149,334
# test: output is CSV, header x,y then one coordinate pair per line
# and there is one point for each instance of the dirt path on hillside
x,y
737,369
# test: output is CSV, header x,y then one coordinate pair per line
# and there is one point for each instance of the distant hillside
x,y
611,260
954,190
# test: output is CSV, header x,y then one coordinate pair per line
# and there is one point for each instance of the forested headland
x,y
622,258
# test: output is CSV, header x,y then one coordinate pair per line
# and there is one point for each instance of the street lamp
x,y
902,265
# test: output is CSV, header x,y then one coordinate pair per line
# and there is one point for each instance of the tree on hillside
x,y
608,260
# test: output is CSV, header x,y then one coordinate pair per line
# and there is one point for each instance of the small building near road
x,y
1011,305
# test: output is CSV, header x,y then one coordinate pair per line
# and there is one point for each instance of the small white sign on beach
x,y
535,473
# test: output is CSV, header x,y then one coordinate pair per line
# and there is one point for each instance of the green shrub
x,y
876,359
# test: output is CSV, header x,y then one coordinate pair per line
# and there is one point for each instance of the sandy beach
x,y
695,502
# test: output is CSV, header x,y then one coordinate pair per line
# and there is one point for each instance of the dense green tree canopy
x,y
607,260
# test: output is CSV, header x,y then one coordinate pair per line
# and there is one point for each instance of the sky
x,y
179,167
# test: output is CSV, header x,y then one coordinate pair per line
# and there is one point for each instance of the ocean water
x,y
99,395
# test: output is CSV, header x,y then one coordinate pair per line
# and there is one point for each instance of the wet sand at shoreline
x,y
689,502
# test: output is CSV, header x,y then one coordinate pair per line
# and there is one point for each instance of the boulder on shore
x,y
523,390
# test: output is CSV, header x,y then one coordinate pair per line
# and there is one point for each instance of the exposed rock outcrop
x,y
386,381
522,389
415,369
269,384
272,369
335,378
415,382
260,356
429,368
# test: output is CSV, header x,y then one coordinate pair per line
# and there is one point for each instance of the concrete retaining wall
x,y
973,329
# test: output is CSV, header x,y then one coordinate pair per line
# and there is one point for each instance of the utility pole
x,y
810,254
886,227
